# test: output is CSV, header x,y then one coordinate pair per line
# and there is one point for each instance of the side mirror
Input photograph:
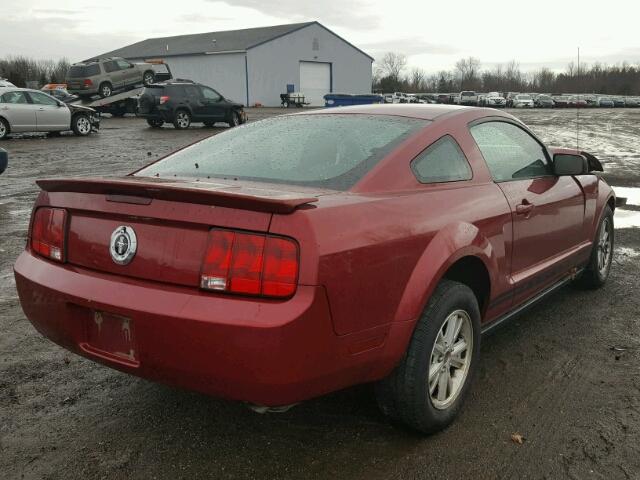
x,y
4,160
567,164
131,65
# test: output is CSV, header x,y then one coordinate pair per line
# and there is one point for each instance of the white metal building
x,y
255,65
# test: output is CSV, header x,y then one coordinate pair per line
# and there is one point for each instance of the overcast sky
x,y
432,34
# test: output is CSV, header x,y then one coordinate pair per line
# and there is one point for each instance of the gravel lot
x,y
565,375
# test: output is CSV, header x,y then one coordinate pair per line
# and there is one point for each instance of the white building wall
x,y
222,72
273,65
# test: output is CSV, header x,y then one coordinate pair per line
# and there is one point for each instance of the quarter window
x,y
510,152
442,161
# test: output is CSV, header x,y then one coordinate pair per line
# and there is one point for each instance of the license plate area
x,y
111,337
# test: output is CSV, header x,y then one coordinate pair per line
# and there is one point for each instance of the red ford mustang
x,y
302,254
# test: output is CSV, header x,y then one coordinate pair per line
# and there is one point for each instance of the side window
x,y
14,97
193,92
510,152
442,161
123,64
42,99
109,67
211,94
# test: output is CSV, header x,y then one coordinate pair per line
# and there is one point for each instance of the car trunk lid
x,y
171,220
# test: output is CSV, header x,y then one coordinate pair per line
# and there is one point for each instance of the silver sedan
x,y
25,110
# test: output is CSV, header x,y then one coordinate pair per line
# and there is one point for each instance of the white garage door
x,y
315,81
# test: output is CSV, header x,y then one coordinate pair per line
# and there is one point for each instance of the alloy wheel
x,y
450,359
182,119
604,247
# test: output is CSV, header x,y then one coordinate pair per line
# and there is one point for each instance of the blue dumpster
x,y
345,99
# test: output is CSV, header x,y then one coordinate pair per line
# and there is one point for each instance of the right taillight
x,y
87,82
48,232
164,99
250,264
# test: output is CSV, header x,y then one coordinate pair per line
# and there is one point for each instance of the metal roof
x,y
209,43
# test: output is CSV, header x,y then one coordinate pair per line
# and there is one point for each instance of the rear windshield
x,y
468,94
330,150
155,90
77,71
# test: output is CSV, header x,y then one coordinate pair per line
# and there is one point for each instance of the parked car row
x,y
515,99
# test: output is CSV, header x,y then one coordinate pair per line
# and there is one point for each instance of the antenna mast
x,y
578,108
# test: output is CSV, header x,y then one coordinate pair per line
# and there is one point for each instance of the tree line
x,y
391,75
24,71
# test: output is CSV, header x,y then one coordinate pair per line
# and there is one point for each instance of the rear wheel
x,y
105,90
597,271
182,120
427,389
148,78
81,125
155,122
4,129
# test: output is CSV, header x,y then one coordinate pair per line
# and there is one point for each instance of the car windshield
x,y
329,150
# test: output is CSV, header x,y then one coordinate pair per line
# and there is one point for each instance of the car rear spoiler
x,y
142,190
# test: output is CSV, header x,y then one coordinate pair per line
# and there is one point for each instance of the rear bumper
x,y
82,91
264,352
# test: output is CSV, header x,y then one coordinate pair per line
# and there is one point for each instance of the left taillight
x,y
250,264
48,232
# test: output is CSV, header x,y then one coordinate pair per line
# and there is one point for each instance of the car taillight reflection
x,y
250,264
164,99
48,232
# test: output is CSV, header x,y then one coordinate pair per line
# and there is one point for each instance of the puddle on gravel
x,y
627,218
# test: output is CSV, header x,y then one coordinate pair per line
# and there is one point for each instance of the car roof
x,y
413,110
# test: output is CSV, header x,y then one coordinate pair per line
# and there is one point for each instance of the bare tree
x,y
417,79
392,65
468,72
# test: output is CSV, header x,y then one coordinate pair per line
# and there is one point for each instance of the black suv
x,y
182,102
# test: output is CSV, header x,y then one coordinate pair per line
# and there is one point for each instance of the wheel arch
x,y
454,249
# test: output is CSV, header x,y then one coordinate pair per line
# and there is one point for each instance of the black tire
x,y
405,395
81,124
234,119
155,122
594,276
148,77
5,129
182,119
105,90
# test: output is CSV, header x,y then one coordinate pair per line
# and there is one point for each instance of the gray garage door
x,y
315,81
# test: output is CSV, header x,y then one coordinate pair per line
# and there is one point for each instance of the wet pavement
x,y
565,375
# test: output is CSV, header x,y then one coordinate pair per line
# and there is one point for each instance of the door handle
x,y
524,208
41,109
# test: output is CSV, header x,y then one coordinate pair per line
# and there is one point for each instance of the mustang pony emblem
x,y
123,245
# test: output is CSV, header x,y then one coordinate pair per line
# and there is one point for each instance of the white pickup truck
x,y
468,98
